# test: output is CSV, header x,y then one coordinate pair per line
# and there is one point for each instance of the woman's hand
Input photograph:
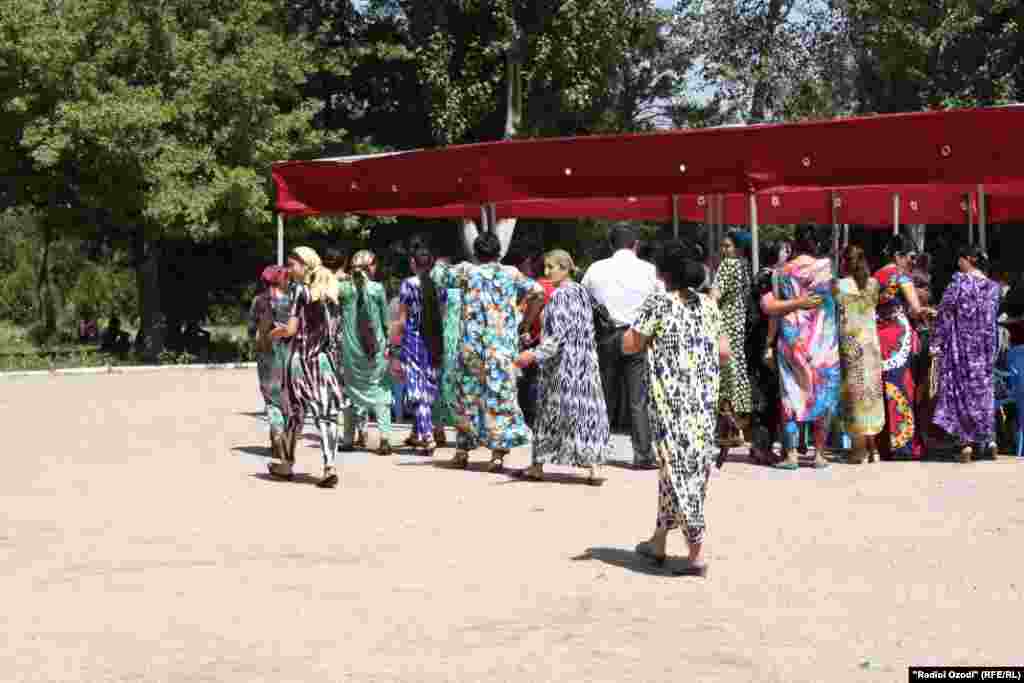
x,y
526,359
809,302
279,332
395,368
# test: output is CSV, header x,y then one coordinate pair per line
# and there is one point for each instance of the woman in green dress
x,y
363,341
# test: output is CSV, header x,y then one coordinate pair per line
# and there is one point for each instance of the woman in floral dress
x,y
419,351
487,411
862,407
683,335
732,292
270,308
311,378
901,439
363,341
965,343
572,420
808,349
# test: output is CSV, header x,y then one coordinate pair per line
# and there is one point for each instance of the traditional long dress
x,y
444,406
861,403
365,387
418,364
572,420
487,412
733,285
966,342
268,310
808,346
682,400
900,345
311,378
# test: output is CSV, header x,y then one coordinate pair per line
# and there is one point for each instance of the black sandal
x,y
498,461
329,481
646,549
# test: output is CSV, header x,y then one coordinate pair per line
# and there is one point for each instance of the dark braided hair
x,y
431,324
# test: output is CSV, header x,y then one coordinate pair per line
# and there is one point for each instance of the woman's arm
x,y
724,350
773,307
286,331
633,342
910,294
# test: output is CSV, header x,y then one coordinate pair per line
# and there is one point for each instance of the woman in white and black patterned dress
x,y
572,420
682,333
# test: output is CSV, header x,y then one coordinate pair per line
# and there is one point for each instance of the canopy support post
x,y
483,219
846,235
755,251
835,233
982,218
896,213
675,216
970,218
709,217
280,239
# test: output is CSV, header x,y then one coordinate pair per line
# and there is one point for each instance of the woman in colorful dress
x,y
897,302
363,341
732,293
964,343
808,349
862,406
572,419
444,407
487,412
310,377
418,351
683,336
270,308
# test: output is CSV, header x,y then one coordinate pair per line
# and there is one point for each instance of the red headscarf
x,y
274,275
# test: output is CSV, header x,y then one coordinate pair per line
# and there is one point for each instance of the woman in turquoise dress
x,y
270,308
363,341
487,408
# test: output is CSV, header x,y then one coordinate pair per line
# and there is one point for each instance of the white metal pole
x,y
280,239
982,218
483,219
835,234
970,217
675,216
896,214
709,215
754,248
846,235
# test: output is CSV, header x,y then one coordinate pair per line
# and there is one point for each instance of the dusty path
x,y
139,544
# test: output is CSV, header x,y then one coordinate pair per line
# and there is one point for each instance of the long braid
x,y
431,323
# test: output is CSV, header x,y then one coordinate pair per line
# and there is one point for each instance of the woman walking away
x,y
572,420
310,377
685,341
862,406
808,349
363,339
487,412
965,345
419,350
900,345
732,293
270,308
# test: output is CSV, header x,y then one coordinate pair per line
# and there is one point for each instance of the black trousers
x,y
622,378
528,389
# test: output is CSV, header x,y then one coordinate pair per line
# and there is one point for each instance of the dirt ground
x,y
140,542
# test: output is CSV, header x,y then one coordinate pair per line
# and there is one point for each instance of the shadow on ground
x,y
626,559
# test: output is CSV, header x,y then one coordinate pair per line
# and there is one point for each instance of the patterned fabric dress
x,y
444,407
733,284
682,400
421,374
861,403
365,387
808,346
311,378
268,310
487,411
572,422
900,345
965,339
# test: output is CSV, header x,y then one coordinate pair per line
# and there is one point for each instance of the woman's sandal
x,y
497,461
426,449
787,463
461,460
646,549
440,438
593,479
384,449
693,569
529,474
330,479
280,470
965,454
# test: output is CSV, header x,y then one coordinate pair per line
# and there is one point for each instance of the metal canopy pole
x,y
846,235
483,218
708,218
970,218
280,239
982,219
675,216
754,248
896,214
835,234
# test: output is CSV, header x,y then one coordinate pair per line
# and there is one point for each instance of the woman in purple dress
x,y
964,344
421,351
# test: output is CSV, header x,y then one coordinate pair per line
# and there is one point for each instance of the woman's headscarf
x,y
321,282
274,275
360,266
563,259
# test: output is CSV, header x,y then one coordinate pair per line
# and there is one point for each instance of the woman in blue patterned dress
x,y
419,352
311,378
572,420
487,412
271,307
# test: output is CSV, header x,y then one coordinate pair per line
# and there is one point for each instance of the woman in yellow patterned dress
x,y
860,396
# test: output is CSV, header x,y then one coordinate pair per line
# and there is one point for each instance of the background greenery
x,y
136,138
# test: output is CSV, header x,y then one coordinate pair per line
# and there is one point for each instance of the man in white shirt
x,y
622,283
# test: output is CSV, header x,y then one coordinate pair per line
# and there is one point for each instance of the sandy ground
x,y
140,542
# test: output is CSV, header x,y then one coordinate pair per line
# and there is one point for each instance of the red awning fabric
x,y
960,147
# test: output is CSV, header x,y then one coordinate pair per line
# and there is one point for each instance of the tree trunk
x,y
759,101
152,329
46,293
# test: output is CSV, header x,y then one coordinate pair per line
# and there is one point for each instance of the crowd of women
x,y
790,354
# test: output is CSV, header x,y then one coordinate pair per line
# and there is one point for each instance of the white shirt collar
x,y
624,253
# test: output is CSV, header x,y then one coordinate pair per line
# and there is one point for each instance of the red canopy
x,y
957,148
